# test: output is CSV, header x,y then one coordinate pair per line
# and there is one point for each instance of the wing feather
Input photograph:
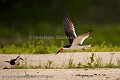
x,y
69,29
81,38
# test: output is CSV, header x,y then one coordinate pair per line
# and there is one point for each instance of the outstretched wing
x,y
69,29
81,38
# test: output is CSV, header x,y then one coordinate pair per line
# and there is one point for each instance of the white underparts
x,y
77,47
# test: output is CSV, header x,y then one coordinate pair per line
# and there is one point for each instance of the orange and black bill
x,y
59,51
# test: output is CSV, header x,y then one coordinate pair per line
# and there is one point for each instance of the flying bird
x,y
14,61
75,42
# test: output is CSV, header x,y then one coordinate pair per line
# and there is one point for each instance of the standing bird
x,y
14,61
75,42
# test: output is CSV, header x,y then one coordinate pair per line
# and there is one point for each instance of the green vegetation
x,y
20,20
103,38
40,47
29,47
91,62
71,63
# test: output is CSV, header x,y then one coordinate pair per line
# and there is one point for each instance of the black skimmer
x,y
14,61
75,42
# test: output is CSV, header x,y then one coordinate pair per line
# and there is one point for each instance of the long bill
x,y
59,51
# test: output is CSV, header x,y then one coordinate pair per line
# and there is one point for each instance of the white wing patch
x,y
82,39
79,39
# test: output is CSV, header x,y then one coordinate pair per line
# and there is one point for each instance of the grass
x,y
104,38
71,63
91,62
29,47
41,47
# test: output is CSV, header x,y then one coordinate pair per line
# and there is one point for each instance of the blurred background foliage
x,y
20,19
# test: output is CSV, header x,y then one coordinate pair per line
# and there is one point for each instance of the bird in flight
x,y
75,42
15,61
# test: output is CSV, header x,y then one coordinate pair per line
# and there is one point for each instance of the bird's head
x,y
60,50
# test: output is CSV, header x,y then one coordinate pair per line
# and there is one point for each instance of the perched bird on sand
x,y
15,61
75,42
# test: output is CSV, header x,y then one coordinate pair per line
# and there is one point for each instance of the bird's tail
x,y
87,47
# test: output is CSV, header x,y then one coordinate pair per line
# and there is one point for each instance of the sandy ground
x,y
60,74
60,59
